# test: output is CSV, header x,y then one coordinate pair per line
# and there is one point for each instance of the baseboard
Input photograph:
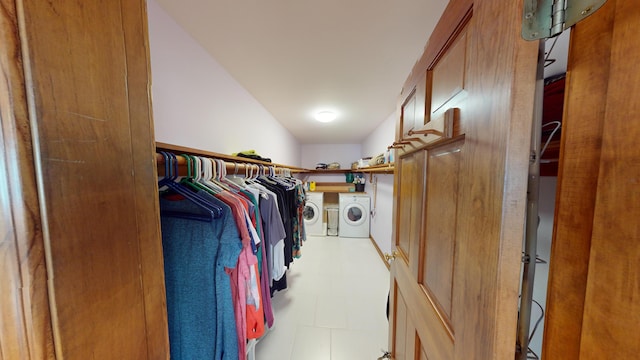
x,y
375,244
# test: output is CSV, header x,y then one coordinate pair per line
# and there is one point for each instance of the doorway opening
x,y
555,67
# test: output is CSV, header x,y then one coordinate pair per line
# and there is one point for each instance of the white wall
x,y
381,189
345,154
196,103
380,137
382,210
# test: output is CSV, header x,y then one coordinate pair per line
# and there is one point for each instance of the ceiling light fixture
x,y
326,116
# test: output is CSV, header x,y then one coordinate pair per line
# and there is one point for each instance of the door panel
x,y
404,207
401,326
448,74
411,205
461,180
442,200
411,299
409,117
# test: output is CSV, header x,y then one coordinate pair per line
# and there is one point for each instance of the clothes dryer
x,y
354,215
313,214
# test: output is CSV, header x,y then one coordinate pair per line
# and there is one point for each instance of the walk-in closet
x,y
168,193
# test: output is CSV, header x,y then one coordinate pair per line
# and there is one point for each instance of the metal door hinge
x,y
547,18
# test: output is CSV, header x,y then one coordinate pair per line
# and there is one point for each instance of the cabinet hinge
x,y
547,18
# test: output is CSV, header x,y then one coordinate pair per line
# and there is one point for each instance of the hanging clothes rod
x,y
233,168
177,150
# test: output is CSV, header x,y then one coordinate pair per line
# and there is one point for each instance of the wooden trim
x,y
375,245
26,331
150,256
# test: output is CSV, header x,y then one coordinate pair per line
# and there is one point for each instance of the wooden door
x,y
593,302
81,254
460,187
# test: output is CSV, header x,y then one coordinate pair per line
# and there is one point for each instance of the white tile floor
x,y
334,308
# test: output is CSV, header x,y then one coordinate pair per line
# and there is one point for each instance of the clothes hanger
x,y
233,185
167,169
208,174
193,173
220,170
190,160
250,177
235,178
262,177
282,181
171,169
204,174
218,211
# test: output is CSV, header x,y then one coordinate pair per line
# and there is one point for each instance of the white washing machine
x,y
312,214
354,215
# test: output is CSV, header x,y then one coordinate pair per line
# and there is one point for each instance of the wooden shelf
x,y
380,169
384,168
176,149
328,171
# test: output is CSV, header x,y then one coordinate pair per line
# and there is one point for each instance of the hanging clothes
x,y
241,275
298,225
199,304
227,244
290,209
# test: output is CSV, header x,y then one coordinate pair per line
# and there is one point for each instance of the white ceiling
x,y
297,57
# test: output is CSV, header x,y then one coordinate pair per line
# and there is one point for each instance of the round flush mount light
x,y
326,116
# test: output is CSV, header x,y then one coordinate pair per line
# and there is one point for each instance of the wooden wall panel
x,y
612,300
593,310
86,68
581,144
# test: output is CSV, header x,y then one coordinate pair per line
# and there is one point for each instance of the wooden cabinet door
x,y
593,301
83,276
460,187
